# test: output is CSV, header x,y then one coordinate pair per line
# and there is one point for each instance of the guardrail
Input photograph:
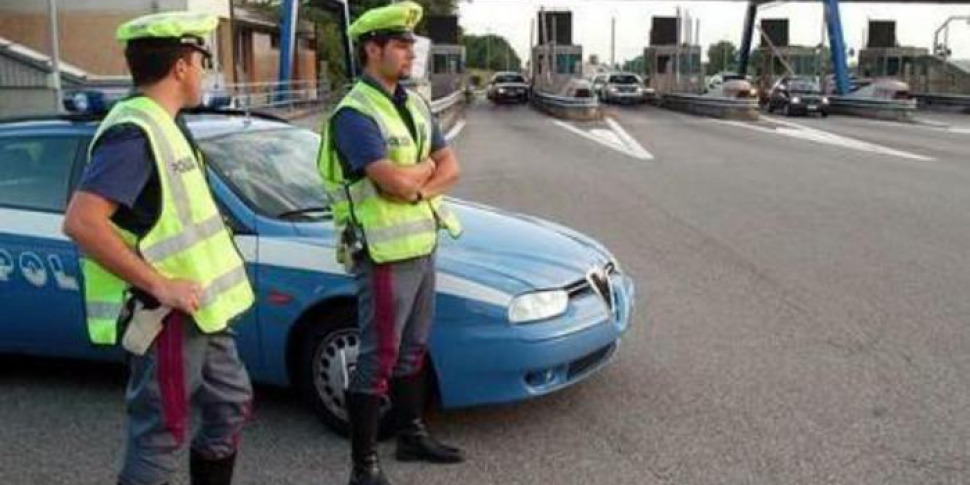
x,y
715,107
949,102
578,109
448,109
875,108
267,95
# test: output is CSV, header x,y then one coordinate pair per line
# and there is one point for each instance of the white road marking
x,y
455,130
635,148
614,137
802,132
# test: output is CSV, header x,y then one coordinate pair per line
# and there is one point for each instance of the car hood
x,y
507,252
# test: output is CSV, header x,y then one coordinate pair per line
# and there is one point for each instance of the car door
x,y
40,281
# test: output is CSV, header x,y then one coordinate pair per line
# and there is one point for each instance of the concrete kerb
x,y
572,109
879,109
714,107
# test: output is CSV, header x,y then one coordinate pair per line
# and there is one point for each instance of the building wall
x,y
87,36
26,101
87,28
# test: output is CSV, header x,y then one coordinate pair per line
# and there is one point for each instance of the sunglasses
x,y
196,45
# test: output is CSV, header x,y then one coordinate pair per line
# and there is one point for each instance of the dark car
x,y
797,95
508,87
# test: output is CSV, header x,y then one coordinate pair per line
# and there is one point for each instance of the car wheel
x,y
328,357
825,114
787,111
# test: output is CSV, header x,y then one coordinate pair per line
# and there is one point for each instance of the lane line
x,y
615,138
455,130
635,147
802,132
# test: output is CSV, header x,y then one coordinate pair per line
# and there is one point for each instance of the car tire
x,y
327,356
787,110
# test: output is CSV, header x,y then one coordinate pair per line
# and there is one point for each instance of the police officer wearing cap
x,y
385,166
161,272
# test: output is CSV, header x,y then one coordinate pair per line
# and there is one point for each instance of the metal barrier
x,y
875,108
448,109
267,95
949,102
579,109
716,107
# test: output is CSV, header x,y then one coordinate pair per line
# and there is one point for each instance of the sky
x,y
719,20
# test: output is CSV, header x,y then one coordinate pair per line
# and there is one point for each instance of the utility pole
x,y
680,30
613,43
55,56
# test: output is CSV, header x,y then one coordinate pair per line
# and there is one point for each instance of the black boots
x,y
414,443
363,412
205,471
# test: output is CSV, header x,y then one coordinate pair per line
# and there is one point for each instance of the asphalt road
x,y
802,316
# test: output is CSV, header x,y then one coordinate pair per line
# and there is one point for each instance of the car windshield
x,y
624,79
803,85
509,78
274,171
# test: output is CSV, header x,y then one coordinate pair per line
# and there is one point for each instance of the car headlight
x,y
613,90
539,305
825,100
754,92
501,90
796,100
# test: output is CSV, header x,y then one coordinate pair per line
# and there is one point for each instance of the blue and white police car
x,y
525,307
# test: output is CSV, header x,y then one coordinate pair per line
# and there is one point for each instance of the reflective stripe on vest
x,y
392,230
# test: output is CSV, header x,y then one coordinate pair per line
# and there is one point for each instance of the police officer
x,y
161,271
385,165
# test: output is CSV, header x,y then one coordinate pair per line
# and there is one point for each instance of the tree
x,y
635,65
325,15
490,52
721,57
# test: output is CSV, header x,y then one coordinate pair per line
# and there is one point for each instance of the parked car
x,y
508,87
797,95
621,87
525,307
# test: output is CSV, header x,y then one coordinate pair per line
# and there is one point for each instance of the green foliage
x,y
635,65
329,31
490,53
721,57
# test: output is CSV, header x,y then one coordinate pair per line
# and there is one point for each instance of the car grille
x,y
583,364
583,287
598,281
627,89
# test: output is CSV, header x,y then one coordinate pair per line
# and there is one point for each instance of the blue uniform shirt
x,y
122,170
358,138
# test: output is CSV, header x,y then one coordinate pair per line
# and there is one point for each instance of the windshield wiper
x,y
301,212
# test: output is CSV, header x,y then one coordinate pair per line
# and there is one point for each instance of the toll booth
x,y
775,57
674,69
447,56
555,60
895,62
883,57
554,66
669,65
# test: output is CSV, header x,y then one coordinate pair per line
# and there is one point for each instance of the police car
x,y
525,307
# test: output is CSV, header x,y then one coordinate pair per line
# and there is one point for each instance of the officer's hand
x,y
430,162
182,295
